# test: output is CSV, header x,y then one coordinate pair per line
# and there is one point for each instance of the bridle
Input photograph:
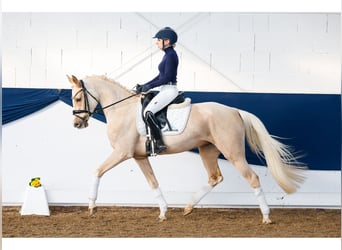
x,y
87,106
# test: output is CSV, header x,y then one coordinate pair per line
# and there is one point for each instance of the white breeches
x,y
166,95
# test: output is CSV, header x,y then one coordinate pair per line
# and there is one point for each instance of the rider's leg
x,y
162,99
155,131
165,96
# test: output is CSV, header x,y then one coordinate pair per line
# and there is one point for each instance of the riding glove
x,y
141,88
138,88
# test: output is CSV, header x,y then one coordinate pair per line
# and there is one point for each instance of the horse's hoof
x,y
92,211
161,218
266,221
188,210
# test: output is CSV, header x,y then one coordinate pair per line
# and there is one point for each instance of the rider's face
x,y
159,43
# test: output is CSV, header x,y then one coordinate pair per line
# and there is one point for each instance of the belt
x,y
171,83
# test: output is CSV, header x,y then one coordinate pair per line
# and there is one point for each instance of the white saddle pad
x,y
177,115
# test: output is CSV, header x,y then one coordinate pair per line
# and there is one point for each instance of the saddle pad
x,y
177,115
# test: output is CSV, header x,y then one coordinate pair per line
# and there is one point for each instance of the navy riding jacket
x,y
167,70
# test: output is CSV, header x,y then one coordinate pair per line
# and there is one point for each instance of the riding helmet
x,y
167,33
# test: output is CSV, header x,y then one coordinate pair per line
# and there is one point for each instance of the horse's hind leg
x,y
253,180
230,141
237,158
209,155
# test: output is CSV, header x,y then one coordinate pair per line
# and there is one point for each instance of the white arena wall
x,y
257,52
243,52
46,144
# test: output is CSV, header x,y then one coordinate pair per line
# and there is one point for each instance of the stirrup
x,y
152,148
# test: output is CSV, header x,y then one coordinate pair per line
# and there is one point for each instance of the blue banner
x,y
310,123
17,103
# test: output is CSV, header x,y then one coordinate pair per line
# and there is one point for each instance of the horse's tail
x,y
283,165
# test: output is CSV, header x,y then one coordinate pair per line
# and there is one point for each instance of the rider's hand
x,y
138,88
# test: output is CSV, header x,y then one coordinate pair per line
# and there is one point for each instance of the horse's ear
x,y
73,79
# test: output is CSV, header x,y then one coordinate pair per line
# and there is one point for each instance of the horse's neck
x,y
110,93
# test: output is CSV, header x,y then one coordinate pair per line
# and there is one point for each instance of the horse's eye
x,y
78,99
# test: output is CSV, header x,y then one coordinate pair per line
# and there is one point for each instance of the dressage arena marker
x,y
35,202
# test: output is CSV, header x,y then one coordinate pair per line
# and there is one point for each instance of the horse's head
x,y
84,103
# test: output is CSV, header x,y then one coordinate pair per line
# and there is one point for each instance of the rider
x,y
166,80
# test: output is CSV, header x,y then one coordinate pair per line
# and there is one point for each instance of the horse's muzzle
x,y
80,123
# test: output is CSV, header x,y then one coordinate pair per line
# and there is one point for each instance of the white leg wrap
x,y
198,196
265,210
94,190
92,203
161,202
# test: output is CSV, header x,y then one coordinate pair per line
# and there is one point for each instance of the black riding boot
x,y
155,132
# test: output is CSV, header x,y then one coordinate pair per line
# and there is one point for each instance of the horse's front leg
x,y
114,159
147,170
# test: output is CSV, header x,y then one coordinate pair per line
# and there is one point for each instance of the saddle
x,y
161,116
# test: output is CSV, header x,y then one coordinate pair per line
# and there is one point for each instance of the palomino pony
x,y
212,128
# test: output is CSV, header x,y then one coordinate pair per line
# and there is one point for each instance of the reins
x,y
124,99
97,109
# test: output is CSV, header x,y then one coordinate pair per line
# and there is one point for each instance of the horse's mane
x,y
109,80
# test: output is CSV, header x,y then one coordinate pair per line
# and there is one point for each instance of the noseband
x,y
87,106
